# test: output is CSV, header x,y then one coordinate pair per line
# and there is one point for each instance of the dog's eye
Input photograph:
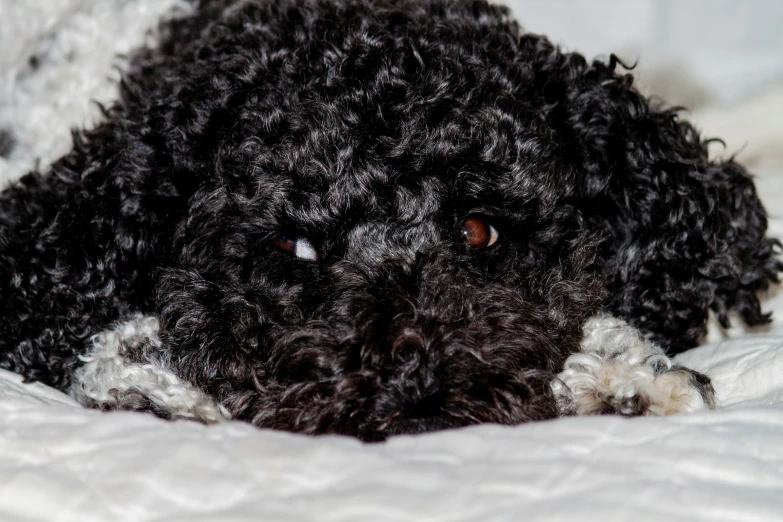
x,y
300,247
478,234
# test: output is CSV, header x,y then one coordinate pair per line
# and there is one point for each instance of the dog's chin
x,y
412,426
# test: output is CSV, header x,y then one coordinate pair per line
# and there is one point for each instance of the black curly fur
x,y
374,128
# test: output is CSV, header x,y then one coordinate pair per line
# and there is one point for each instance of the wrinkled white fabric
x,y
61,462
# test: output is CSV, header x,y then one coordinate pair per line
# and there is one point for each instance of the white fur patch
x,y
108,380
618,371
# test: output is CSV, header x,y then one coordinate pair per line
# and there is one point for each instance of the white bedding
x,y
59,462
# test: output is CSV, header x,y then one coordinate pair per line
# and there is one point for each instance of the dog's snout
x,y
409,344
418,384
413,425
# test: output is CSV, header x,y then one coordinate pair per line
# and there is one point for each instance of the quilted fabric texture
x,y
60,462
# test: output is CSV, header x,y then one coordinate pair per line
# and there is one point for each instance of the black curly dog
x,y
373,217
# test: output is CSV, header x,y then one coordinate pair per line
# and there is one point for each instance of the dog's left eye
x,y
300,247
479,234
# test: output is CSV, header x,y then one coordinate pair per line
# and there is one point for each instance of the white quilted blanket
x,y
59,462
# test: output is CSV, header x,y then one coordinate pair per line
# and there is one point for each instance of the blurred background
x,y
720,49
721,59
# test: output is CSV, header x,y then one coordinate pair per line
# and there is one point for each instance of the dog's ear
x,y
684,234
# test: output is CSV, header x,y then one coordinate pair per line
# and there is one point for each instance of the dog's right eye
x,y
300,247
478,234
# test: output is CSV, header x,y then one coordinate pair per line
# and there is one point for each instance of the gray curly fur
x,y
374,128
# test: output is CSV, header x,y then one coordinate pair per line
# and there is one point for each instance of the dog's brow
x,y
415,203
375,242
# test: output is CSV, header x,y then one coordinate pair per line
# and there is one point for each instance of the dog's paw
x,y
126,371
619,372
592,385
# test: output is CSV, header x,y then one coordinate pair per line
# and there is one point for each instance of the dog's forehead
x,y
410,199
403,200
346,178
443,141
361,203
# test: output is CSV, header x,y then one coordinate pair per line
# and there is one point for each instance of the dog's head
x,y
396,216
